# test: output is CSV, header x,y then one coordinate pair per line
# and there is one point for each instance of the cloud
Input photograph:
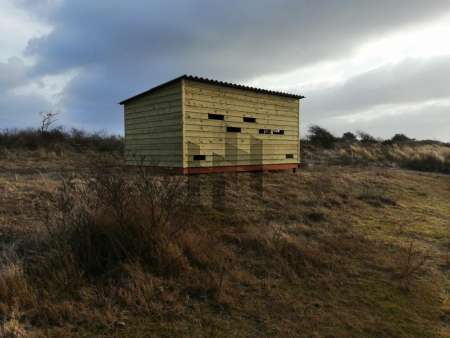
x,y
409,82
18,109
21,110
232,40
16,27
411,97
429,120
12,74
118,48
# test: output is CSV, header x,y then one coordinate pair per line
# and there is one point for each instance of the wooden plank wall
x,y
203,136
153,128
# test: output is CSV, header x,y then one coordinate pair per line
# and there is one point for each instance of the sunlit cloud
x,y
17,27
425,41
392,111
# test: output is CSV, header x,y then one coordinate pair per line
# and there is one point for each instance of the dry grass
x,y
319,253
415,156
12,328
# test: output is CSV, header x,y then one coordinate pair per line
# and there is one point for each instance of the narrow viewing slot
x,y
216,117
289,155
278,132
233,129
199,157
264,131
249,119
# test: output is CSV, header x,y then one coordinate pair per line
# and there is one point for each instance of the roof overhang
x,y
215,82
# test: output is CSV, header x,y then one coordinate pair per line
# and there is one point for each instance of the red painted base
x,y
222,169
239,168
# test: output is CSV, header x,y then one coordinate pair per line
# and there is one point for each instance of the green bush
x,y
349,137
321,137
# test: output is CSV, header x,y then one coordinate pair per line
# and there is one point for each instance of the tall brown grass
x,y
121,244
112,218
113,239
415,156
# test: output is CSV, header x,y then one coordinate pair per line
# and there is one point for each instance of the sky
x,y
378,66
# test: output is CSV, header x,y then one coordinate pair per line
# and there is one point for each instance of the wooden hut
x,y
197,125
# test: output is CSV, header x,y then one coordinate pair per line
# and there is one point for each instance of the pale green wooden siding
x,y
153,128
221,148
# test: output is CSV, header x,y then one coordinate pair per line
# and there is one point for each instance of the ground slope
x,y
327,252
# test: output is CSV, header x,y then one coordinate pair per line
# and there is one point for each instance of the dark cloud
x,y
230,39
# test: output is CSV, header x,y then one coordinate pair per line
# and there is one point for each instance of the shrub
x,y
321,137
400,138
366,138
114,218
410,265
103,231
349,137
32,139
428,161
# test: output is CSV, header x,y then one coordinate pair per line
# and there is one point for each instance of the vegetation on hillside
x,y
321,146
329,252
35,150
348,248
59,140
49,137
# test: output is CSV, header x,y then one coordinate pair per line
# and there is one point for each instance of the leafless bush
x,y
113,217
411,264
47,119
109,234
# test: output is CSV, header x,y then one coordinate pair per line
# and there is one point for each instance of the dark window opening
x,y
264,131
199,157
278,132
289,155
249,119
215,117
233,129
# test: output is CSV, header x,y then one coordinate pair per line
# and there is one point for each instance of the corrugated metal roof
x,y
215,82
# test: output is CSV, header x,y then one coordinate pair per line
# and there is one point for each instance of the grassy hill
x,y
414,156
321,146
331,251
